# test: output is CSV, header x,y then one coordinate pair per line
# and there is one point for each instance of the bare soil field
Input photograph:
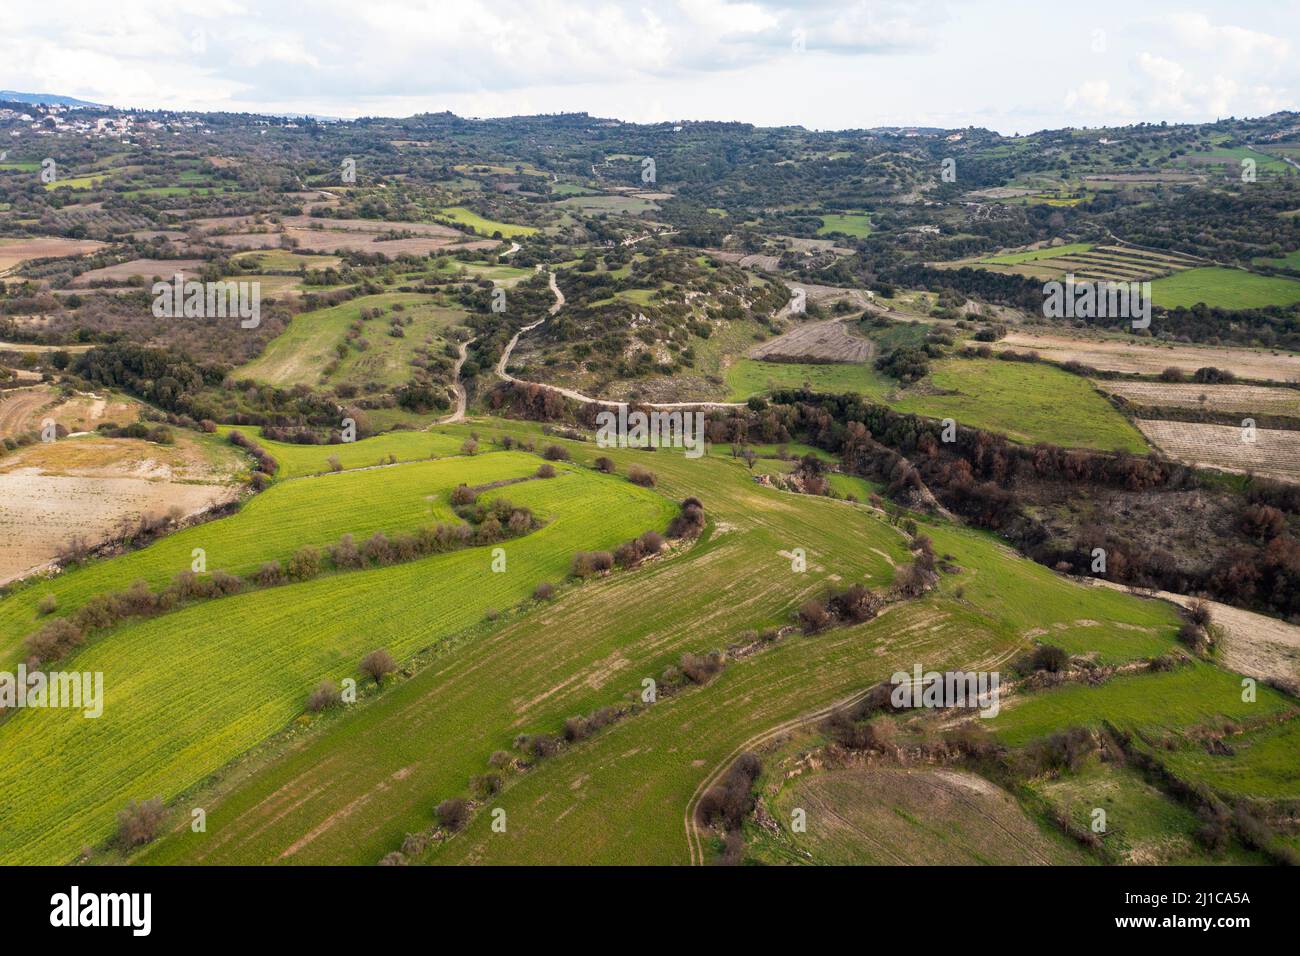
x,y
1150,358
146,268
827,341
321,240
20,408
14,252
1274,452
87,487
1218,398
372,225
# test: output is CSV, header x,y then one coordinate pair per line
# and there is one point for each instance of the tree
x,y
377,665
138,823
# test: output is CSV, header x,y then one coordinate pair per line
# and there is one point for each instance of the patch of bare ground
x,y
87,488
827,341
1273,452
1215,398
917,817
1149,357
146,269
14,252
26,409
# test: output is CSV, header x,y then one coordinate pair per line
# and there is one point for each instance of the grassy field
x,y
486,227
590,648
271,525
299,460
172,715
652,761
1224,289
1263,764
1027,402
300,353
1192,695
1032,255
857,225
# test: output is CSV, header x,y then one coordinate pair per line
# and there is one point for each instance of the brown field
x,y
86,487
320,240
25,409
1150,358
146,268
916,817
1274,453
827,341
1245,399
248,240
14,252
372,225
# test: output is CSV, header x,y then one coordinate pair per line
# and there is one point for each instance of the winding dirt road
x,y
570,393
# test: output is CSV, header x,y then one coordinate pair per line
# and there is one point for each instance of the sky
x,y
1007,65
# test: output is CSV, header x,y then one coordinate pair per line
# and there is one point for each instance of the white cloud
x,y
865,62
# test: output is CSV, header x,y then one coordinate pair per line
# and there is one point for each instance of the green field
x,y
173,715
486,227
425,738
1027,402
1289,261
1262,766
1224,289
298,460
269,526
1192,695
857,225
299,354
1033,255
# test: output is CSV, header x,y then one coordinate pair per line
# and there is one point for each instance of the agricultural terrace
x,y
596,644
172,715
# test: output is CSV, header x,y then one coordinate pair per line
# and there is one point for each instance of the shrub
x,y
48,604
469,447
463,495
377,665
138,823
555,453
639,476
813,616
453,813
605,465
334,463
544,591
269,574
652,542
545,471
700,669
305,563
325,695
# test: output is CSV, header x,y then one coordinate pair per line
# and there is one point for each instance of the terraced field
x,y
1087,261
172,715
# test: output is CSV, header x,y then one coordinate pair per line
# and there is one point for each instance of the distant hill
x,y
43,99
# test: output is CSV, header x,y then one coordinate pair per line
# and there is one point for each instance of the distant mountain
x,y
43,99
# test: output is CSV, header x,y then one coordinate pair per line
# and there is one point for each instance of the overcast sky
x,y
826,64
